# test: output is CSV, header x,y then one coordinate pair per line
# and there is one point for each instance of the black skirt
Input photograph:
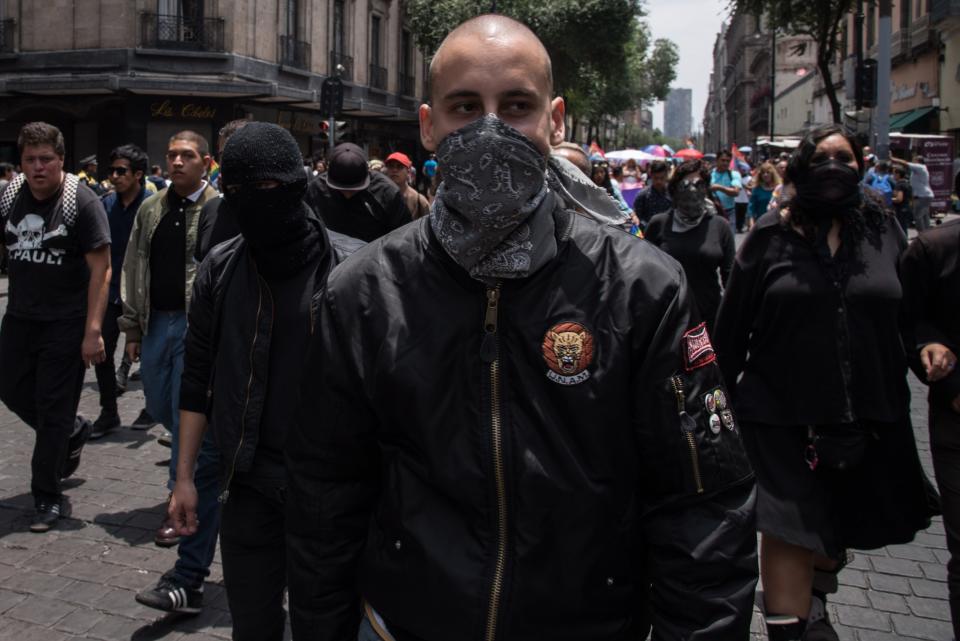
x,y
884,500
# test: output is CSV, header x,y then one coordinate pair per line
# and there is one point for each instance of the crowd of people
x,y
488,410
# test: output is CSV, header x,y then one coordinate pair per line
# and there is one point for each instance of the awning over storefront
x,y
913,121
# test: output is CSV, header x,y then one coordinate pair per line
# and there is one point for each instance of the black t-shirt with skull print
x,y
46,264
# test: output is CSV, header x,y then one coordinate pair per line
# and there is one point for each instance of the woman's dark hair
x,y
135,156
799,163
697,167
869,216
606,184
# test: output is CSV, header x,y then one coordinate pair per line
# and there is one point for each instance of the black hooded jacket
x,y
535,460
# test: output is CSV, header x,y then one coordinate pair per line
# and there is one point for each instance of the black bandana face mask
x,y
831,185
494,178
268,217
689,199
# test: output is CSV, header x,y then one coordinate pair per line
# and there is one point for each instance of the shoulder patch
x,y
697,348
568,352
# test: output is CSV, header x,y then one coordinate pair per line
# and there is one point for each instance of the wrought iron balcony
x,y
378,77
7,29
408,85
340,59
294,53
181,32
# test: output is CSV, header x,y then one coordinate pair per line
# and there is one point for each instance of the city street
x,y
79,580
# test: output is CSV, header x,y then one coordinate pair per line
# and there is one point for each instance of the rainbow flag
x,y
214,173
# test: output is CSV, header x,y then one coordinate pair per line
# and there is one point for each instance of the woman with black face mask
x,y
808,338
691,232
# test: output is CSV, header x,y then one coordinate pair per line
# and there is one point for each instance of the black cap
x,y
347,168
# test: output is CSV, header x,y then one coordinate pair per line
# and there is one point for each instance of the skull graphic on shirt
x,y
30,232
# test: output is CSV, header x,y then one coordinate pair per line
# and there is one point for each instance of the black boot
x,y
108,420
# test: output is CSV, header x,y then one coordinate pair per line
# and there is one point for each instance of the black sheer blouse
x,y
816,338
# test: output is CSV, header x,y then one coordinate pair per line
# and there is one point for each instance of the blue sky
x,y
692,25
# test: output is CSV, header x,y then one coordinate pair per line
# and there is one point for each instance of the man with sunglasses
x,y
128,166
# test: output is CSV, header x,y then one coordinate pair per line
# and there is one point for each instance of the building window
x,y
339,29
871,26
407,74
340,63
905,14
375,39
378,74
293,18
187,9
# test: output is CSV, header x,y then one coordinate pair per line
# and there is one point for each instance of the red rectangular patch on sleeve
x,y
697,349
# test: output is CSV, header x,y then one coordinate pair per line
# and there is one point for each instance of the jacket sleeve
x,y
738,309
918,273
728,247
332,484
697,491
397,212
129,322
198,347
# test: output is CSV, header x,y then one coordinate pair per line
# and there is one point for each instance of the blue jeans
x,y
161,366
195,552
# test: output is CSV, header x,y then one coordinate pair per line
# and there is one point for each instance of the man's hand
x,y
937,360
634,219
92,349
182,509
133,351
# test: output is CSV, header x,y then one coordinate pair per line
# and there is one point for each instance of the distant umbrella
x,y
656,150
689,154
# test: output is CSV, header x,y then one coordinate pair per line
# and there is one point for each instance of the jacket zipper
x,y
489,354
246,401
688,426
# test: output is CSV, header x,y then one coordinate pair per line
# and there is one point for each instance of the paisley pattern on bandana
x,y
494,180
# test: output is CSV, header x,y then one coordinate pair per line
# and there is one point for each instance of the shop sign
x,y
178,111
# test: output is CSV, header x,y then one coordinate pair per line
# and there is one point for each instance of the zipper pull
x,y
687,423
488,348
223,497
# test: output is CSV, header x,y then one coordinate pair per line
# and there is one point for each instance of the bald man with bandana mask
x,y
512,424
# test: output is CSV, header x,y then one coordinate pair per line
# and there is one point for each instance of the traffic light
x,y
867,83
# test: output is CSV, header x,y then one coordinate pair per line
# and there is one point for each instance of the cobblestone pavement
x,y
79,580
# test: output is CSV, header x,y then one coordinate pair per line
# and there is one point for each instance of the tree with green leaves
x,y
818,19
603,62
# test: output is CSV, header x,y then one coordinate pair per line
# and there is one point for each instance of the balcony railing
x,y
339,59
294,53
408,85
378,77
181,32
7,29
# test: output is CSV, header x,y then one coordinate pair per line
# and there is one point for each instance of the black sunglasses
x,y
120,171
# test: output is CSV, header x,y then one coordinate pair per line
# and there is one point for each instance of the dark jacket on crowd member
x,y
369,214
706,253
930,269
121,223
533,458
650,202
228,283
216,225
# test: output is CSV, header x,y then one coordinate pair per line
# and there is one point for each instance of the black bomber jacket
x,y
227,348
551,457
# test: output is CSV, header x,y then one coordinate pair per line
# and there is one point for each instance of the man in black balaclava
x,y
248,329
